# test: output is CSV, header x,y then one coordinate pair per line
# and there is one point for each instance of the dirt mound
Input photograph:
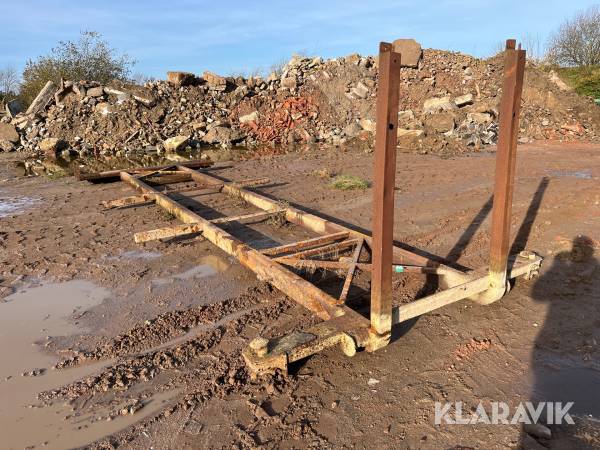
x,y
448,104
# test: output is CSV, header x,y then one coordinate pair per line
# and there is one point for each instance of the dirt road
x,y
149,337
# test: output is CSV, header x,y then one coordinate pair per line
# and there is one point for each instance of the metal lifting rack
x,y
338,248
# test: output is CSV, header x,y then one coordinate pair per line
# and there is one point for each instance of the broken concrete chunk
x,y
176,143
7,146
437,104
464,100
181,78
79,89
409,133
367,125
8,133
406,119
139,93
95,92
105,108
410,52
51,146
352,130
223,135
252,117
288,82
441,122
480,117
14,107
43,99
61,94
214,81
360,91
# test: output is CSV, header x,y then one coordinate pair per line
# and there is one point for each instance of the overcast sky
x,y
240,36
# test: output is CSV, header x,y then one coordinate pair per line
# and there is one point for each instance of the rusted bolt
x,y
260,346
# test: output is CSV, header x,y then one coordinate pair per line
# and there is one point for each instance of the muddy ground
x,y
146,339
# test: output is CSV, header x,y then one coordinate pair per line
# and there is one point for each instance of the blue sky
x,y
240,36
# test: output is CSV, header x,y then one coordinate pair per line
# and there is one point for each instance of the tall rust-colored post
x,y
386,139
510,108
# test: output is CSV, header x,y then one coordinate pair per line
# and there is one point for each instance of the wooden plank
x,y
170,178
323,250
128,201
308,243
187,229
115,175
167,232
205,188
351,270
386,140
245,218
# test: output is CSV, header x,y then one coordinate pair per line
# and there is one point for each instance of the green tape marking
x,y
398,269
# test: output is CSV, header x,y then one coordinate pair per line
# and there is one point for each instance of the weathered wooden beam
x,y
308,243
178,210
158,179
386,140
324,250
167,232
297,288
187,229
132,200
115,175
246,218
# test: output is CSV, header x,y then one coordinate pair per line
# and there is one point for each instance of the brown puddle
x,y
15,205
27,317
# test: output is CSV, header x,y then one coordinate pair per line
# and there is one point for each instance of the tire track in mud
x,y
197,367
168,326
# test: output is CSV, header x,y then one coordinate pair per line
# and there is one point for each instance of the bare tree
x,y
534,44
9,82
141,79
577,41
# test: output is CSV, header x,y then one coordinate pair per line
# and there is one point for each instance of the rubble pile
x,y
448,104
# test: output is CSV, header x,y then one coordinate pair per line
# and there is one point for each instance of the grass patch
x,y
349,182
323,173
57,175
585,80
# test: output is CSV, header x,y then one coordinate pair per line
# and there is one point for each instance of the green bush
x,y
89,58
349,182
585,80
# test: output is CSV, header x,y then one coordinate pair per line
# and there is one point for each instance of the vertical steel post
x,y
386,140
510,108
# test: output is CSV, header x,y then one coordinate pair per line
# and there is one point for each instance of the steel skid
x,y
341,249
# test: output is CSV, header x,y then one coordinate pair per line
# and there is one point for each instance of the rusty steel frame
x,y
341,324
